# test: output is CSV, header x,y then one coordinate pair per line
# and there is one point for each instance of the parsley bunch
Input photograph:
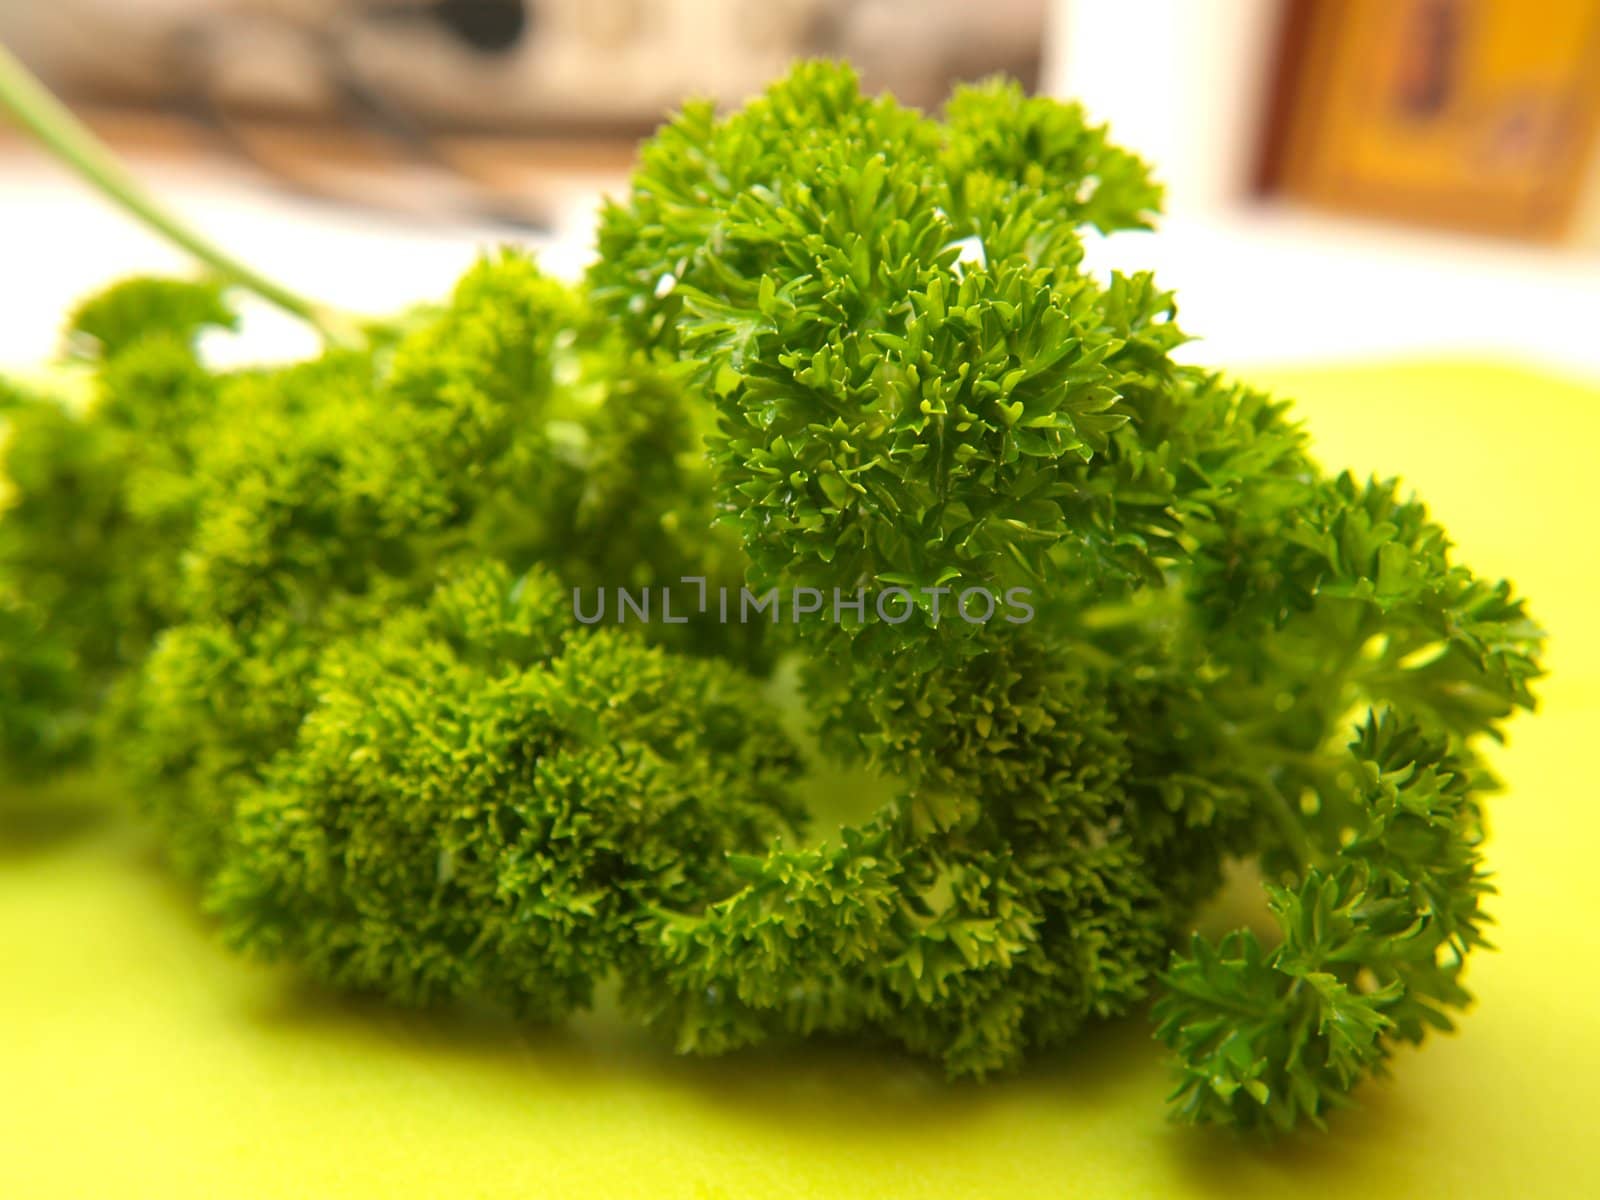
x,y
320,616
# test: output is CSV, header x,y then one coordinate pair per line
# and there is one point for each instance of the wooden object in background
x,y
1477,114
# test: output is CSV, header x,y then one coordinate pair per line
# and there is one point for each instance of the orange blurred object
x,y
1477,114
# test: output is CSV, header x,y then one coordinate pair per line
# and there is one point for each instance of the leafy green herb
x,y
320,617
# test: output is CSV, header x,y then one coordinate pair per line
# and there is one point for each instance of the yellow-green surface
x,y
137,1059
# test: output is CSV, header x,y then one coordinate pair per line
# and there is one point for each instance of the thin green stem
x,y
1291,827
33,107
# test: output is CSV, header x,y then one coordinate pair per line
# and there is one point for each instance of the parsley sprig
x,y
319,617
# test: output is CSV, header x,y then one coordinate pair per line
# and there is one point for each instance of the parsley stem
x,y
1292,828
36,110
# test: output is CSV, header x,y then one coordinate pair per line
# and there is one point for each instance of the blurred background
x,y
1346,178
